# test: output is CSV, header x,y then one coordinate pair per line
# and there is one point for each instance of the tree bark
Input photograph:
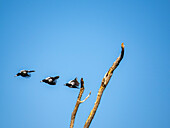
x,y
104,84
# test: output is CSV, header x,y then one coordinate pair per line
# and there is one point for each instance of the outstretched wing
x,y
75,86
23,71
56,77
31,71
74,82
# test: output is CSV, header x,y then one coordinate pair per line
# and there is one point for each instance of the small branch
x,y
73,115
104,83
85,98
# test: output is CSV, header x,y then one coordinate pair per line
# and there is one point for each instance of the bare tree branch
x,y
104,83
85,98
73,115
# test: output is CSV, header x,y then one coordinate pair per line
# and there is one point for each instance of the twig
x,y
85,98
104,83
73,115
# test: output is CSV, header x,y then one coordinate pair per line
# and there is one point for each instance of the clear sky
x,y
82,38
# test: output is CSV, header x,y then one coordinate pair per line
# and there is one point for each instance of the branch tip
x,y
122,45
82,83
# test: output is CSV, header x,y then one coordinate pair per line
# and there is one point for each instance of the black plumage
x,y
73,83
50,80
25,73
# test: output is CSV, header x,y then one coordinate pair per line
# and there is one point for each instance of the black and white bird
x,y
73,83
50,80
24,73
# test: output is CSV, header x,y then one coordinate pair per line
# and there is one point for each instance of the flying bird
x,y
50,80
73,83
24,73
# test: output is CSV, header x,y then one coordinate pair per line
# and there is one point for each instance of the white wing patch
x,y
70,82
47,78
50,80
24,72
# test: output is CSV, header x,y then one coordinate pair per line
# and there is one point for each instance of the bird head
x,y
17,74
42,81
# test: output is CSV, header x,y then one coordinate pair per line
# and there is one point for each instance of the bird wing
x,y
71,82
74,82
56,77
47,78
31,70
23,71
50,80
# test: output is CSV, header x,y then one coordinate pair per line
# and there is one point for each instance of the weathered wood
x,y
104,83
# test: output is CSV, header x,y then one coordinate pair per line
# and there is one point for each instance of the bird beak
x,y
40,81
15,75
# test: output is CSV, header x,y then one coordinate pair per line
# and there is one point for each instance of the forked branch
x,y
85,98
104,83
73,115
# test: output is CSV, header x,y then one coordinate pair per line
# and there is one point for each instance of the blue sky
x,y
82,39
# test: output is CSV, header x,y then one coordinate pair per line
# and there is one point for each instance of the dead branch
x,y
104,83
85,98
73,115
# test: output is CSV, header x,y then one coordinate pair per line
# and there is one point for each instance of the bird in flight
x,y
73,83
50,80
25,73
